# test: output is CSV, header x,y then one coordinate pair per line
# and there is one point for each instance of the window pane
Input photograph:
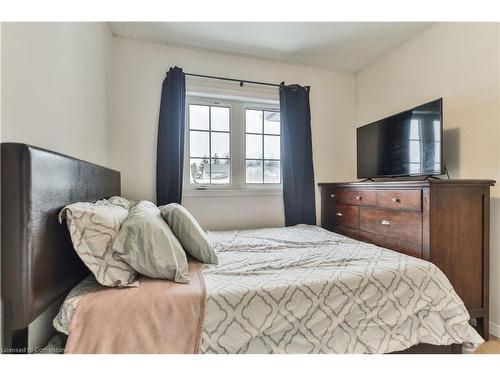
x,y
253,146
272,122
220,145
221,171
272,172
254,171
253,121
271,147
199,171
198,117
220,118
198,144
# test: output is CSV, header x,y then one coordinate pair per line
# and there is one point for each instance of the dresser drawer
x,y
344,215
407,248
400,199
401,225
349,232
353,196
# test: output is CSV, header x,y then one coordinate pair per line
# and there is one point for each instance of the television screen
x,y
406,144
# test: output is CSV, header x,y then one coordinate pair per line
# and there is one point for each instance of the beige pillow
x,y
123,202
146,243
93,227
191,235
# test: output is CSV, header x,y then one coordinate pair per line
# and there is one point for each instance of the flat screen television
x,y
406,144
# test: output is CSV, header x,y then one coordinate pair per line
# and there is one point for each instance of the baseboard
x,y
495,329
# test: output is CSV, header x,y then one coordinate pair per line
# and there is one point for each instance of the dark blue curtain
x,y
296,145
170,144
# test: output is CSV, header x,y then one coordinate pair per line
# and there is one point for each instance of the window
x,y
263,149
232,144
209,144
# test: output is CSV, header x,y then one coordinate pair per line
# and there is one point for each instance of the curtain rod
x,y
241,81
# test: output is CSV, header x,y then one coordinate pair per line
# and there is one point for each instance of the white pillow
x,y
93,227
123,202
187,230
146,243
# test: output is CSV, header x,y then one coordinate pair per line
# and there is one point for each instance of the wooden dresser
x,y
446,222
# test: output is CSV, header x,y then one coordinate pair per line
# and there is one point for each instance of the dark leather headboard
x,y
39,264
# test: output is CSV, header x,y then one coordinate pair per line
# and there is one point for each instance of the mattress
x,y
303,289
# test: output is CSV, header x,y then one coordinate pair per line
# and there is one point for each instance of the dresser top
x,y
407,183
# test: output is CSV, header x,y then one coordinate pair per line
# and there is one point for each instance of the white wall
x,y
54,95
54,86
459,62
138,72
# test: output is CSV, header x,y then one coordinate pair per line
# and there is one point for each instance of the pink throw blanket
x,y
159,316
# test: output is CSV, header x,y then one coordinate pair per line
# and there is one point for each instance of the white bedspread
x,y
303,289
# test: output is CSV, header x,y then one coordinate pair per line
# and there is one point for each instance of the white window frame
x,y
250,106
187,153
237,148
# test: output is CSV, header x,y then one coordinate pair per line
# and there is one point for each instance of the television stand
x,y
446,222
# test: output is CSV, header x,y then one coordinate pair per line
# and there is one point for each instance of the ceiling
x,y
342,46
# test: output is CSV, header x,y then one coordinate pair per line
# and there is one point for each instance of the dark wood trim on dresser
x,y
446,222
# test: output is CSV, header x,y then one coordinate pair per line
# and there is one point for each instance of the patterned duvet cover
x,y
303,289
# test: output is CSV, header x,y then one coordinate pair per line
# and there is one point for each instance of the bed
x,y
299,289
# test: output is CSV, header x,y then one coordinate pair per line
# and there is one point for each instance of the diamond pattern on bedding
x,y
303,289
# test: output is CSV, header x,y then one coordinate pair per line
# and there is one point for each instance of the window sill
x,y
191,193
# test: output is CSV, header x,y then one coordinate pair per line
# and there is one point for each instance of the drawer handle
x,y
339,213
395,200
358,197
332,195
385,222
